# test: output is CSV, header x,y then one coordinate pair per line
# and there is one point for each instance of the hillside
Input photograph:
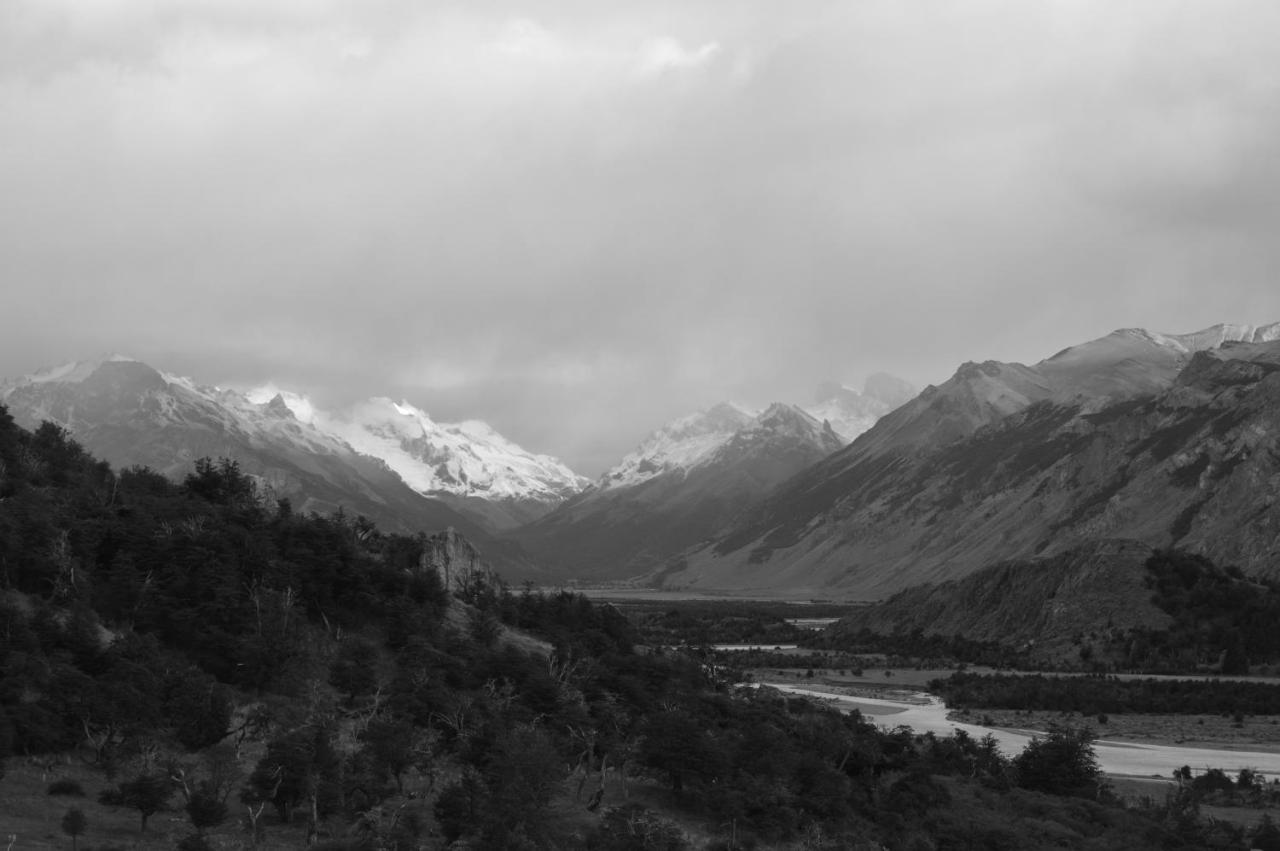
x,y
131,414
980,470
186,666
1043,607
683,483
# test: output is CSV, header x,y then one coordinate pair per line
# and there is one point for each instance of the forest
x,y
1096,694
272,679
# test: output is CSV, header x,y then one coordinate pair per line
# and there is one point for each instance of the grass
x,y
1254,733
34,817
28,812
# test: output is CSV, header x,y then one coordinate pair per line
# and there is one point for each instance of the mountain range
x,y
1166,439
1158,438
129,413
392,462
467,465
681,484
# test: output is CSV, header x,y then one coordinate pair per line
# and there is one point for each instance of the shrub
x,y
74,823
194,842
1062,763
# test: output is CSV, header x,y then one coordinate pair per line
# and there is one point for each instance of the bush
x,y
1062,763
65,787
194,842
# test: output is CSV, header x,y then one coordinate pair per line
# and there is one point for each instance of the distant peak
x,y
973,369
781,415
1212,337
298,405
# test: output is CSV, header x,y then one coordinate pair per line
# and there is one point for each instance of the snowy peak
x,y
850,412
679,445
1216,336
1134,361
271,396
788,420
466,459
780,428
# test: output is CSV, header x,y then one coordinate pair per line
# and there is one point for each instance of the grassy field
x,y
33,818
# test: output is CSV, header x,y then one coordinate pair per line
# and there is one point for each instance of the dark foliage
x,y
1060,763
1091,695
146,793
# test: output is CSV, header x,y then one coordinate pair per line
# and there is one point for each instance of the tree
x,y
677,743
146,793
205,809
1266,837
200,708
391,746
300,766
74,824
1062,763
355,668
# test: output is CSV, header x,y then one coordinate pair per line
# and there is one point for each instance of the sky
x,y
578,219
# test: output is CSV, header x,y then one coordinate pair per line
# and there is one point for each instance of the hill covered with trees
x,y
272,678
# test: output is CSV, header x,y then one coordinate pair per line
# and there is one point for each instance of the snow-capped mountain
x,y
851,412
129,413
678,446
468,464
683,444
680,484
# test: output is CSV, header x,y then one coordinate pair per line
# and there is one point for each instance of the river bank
x,y
924,713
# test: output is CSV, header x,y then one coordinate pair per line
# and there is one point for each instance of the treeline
x,y
929,650
713,622
1222,620
1096,694
155,630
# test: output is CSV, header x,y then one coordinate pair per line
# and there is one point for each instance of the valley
x,y
1008,595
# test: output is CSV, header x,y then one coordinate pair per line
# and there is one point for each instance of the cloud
x,y
576,220
667,54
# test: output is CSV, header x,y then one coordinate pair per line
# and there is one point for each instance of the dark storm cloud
x,y
576,221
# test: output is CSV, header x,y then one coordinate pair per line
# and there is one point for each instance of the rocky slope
x,y
1044,605
1164,439
128,413
678,486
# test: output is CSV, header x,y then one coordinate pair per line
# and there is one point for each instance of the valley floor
x,y
1254,733
1128,745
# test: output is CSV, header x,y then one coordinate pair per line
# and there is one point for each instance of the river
x,y
1117,758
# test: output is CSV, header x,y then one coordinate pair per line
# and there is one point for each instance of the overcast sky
x,y
577,220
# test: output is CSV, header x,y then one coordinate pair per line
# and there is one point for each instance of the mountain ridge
x,y
130,413
1001,462
683,482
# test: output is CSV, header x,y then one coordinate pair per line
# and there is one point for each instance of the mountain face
x,y
850,413
1164,439
131,414
683,482
677,446
1042,603
467,465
